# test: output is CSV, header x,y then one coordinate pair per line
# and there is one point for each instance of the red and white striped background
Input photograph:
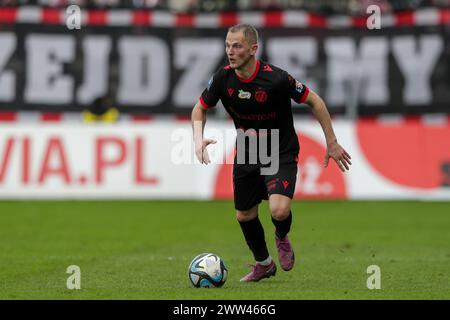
x,y
297,19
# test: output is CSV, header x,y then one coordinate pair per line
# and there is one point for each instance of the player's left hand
x,y
342,158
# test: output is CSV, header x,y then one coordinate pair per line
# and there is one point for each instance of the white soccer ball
x,y
207,270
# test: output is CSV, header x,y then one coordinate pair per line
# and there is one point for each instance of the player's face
x,y
238,50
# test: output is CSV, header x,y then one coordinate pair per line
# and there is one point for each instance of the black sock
x,y
254,236
282,227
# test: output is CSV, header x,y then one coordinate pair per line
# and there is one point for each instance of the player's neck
x,y
247,70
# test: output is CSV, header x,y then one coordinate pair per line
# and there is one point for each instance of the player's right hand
x,y
201,152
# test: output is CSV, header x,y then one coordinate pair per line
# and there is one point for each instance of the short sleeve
x,y
211,95
297,90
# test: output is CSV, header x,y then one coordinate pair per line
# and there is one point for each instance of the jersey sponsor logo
x,y
253,116
298,86
230,91
267,68
261,96
244,94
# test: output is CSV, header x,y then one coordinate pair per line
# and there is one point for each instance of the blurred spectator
x,y
218,5
13,3
441,3
260,5
101,110
359,7
53,3
183,5
151,4
106,3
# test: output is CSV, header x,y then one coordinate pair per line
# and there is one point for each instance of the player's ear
x,y
253,49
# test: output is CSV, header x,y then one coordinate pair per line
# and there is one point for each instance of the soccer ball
x,y
207,270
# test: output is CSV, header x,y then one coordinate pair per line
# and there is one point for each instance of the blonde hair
x,y
249,31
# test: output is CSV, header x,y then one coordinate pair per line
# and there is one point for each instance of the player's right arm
x,y
208,99
198,118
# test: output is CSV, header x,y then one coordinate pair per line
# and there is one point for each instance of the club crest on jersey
x,y
298,86
261,96
244,94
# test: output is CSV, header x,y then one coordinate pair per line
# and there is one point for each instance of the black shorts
x,y
250,187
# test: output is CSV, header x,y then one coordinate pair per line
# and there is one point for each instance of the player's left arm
x,y
334,149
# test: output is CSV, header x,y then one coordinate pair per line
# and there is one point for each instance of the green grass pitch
x,y
142,249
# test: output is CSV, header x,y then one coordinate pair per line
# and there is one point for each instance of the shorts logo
x,y
261,96
230,91
272,184
285,184
244,94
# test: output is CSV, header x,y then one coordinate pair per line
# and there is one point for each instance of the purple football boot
x,y
260,272
285,253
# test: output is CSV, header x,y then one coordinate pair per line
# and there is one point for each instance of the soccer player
x,y
257,95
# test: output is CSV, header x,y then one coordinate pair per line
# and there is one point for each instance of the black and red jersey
x,y
263,101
